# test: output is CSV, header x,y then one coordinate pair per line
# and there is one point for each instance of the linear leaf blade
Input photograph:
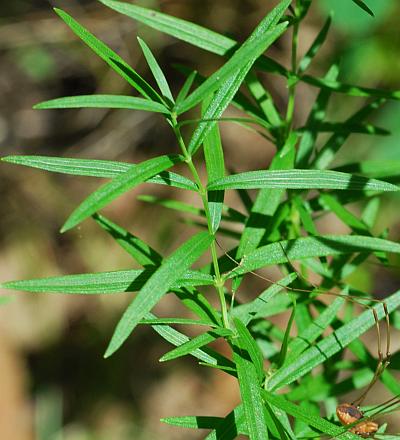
x,y
300,179
250,391
103,101
110,57
103,282
156,70
195,343
310,247
157,285
262,37
331,344
121,184
96,168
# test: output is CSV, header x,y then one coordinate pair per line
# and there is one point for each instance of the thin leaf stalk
x,y
219,280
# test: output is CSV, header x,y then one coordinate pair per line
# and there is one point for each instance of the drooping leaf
x,y
121,184
157,285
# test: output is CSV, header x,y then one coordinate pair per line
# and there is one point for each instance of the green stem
x,y
219,281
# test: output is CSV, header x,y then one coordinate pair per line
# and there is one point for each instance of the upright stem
x,y
219,281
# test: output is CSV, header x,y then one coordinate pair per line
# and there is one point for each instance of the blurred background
x,y
54,383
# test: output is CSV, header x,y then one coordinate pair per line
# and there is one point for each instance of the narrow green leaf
x,y
215,165
330,203
186,87
181,29
344,128
231,426
316,328
349,89
96,168
175,321
364,7
121,184
156,70
374,168
194,422
186,31
260,306
316,116
103,101
195,343
300,179
216,107
261,38
250,392
251,347
137,248
329,150
157,285
308,418
305,212
285,342
103,282
206,355
331,344
310,247
315,46
111,58
264,99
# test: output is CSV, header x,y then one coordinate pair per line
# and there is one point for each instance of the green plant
x,y
278,227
